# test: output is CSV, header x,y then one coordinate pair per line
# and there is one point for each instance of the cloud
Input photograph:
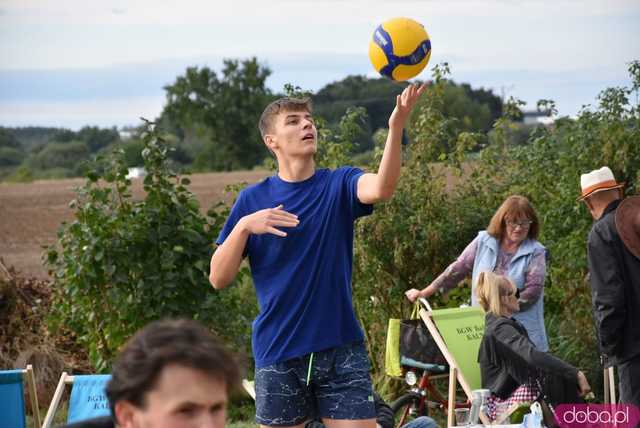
x,y
76,114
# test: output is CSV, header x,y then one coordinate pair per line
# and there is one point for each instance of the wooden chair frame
x,y
249,387
65,379
455,376
30,378
609,386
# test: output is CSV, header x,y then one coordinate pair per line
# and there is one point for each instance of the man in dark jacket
x,y
615,279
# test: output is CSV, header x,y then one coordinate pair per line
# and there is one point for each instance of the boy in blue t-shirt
x,y
296,227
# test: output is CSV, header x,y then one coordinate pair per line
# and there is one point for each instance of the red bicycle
x,y
424,396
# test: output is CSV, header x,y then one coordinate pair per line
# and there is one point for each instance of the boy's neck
x,y
295,170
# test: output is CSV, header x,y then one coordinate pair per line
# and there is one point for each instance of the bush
x,y
10,156
22,174
60,155
414,237
123,263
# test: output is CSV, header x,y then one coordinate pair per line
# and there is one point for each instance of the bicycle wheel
x,y
408,407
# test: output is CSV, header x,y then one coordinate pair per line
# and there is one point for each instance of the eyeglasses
x,y
522,224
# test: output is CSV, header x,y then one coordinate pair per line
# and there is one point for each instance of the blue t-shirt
x,y
303,280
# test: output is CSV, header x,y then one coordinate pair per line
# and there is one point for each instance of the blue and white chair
x,y
88,398
12,405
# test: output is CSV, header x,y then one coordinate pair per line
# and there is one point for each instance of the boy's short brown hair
x,y
281,105
185,343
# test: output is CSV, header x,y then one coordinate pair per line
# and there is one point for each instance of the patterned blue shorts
x,y
339,388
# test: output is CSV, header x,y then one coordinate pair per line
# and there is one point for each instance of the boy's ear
x,y
124,414
270,141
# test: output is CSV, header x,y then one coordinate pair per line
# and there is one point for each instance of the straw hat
x,y
597,181
628,224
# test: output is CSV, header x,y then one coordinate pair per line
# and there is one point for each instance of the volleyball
x,y
400,48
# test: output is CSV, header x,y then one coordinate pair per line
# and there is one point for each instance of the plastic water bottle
x,y
478,405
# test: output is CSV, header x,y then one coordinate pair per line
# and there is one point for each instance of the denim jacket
x,y
486,257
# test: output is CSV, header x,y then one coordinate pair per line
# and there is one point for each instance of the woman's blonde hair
x,y
490,288
515,207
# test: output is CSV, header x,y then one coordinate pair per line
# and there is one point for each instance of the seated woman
x,y
512,368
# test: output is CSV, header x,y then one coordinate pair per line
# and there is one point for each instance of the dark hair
x,y
513,208
281,105
185,343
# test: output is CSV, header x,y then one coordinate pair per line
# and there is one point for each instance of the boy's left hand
x,y
404,104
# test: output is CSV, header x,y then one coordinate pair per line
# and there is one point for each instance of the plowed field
x,y
31,213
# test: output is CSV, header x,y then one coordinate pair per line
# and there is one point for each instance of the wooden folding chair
x,y
12,395
463,367
249,387
609,386
92,404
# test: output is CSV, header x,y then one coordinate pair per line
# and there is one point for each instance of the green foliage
x,y
123,263
375,96
334,146
8,139
228,106
415,236
132,152
11,151
33,136
95,138
10,156
474,109
22,174
471,114
47,153
61,155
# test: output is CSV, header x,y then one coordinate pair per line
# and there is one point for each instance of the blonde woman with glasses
x,y
508,247
511,367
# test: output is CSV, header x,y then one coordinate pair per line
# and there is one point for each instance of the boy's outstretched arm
x,y
378,187
226,260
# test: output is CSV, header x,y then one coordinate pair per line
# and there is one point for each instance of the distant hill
x,y
204,140
32,136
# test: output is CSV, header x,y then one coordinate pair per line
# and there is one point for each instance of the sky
x,y
71,63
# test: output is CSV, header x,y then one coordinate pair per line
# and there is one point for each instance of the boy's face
x,y
294,134
181,398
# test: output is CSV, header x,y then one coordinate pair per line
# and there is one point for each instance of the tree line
x,y
210,118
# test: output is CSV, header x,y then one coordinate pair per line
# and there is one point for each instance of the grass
x,y
242,424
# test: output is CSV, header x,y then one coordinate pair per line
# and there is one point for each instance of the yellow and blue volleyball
x,y
400,48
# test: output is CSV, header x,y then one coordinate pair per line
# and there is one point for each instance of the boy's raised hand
x,y
405,103
267,221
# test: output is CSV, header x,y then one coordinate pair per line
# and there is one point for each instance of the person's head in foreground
x,y
172,373
497,294
514,221
288,129
599,188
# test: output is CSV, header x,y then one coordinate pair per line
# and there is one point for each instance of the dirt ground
x,y
31,213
